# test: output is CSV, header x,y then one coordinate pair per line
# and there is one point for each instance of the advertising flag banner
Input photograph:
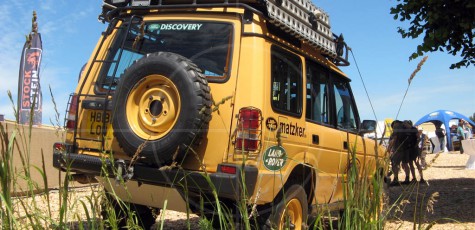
x,y
29,91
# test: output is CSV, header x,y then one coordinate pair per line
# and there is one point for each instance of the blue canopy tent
x,y
443,117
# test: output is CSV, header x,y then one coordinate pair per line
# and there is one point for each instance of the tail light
x,y
228,169
60,147
248,136
72,111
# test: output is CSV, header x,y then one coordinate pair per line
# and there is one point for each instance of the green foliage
x,y
446,25
364,195
472,117
6,178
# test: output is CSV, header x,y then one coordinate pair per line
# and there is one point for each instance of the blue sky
x,y
70,30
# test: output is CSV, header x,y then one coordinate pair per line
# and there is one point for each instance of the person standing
x,y
467,130
421,142
461,134
440,133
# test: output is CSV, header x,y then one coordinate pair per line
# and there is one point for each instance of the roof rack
x,y
300,18
305,21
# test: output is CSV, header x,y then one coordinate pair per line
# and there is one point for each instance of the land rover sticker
x,y
271,124
274,158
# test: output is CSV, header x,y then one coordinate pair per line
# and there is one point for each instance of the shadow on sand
x,y
455,201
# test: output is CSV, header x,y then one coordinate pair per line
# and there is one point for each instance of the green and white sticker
x,y
274,158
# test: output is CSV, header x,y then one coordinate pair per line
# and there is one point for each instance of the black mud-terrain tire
x,y
290,208
162,107
121,212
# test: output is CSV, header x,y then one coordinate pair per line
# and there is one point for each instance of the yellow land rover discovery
x,y
199,105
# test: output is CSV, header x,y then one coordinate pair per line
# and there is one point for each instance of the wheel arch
x,y
304,175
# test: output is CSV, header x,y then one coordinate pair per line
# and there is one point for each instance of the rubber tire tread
x,y
193,120
144,214
293,191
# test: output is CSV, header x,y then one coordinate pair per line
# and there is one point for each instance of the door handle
x,y
315,139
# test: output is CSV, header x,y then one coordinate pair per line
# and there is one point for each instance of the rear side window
x,y
286,75
317,94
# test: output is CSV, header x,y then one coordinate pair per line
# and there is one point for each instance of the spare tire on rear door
x,y
162,107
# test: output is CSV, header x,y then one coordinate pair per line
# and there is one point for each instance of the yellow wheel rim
x,y
292,216
152,107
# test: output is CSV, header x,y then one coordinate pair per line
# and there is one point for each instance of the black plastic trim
x,y
226,185
96,104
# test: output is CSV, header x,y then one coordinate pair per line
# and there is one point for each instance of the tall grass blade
x,y
6,177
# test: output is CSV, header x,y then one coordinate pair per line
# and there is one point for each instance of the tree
x,y
445,25
472,117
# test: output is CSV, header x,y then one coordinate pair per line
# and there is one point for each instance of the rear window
x,y
207,44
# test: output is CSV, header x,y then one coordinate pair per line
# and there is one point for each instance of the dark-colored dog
x,y
404,150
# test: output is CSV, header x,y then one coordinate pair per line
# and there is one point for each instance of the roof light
x,y
118,1
140,2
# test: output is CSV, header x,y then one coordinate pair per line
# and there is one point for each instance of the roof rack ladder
x,y
109,91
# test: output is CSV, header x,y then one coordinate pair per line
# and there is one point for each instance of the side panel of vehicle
x,y
274,85
283,104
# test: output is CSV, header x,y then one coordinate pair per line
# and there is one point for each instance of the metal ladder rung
x,y
96,60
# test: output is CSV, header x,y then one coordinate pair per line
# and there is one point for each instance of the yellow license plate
x,y
95,123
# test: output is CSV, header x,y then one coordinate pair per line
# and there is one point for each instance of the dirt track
x,y
454,207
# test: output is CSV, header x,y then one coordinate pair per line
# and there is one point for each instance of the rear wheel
x,y
122,215
291,211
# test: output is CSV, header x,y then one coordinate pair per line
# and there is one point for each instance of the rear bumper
x,y
229,186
